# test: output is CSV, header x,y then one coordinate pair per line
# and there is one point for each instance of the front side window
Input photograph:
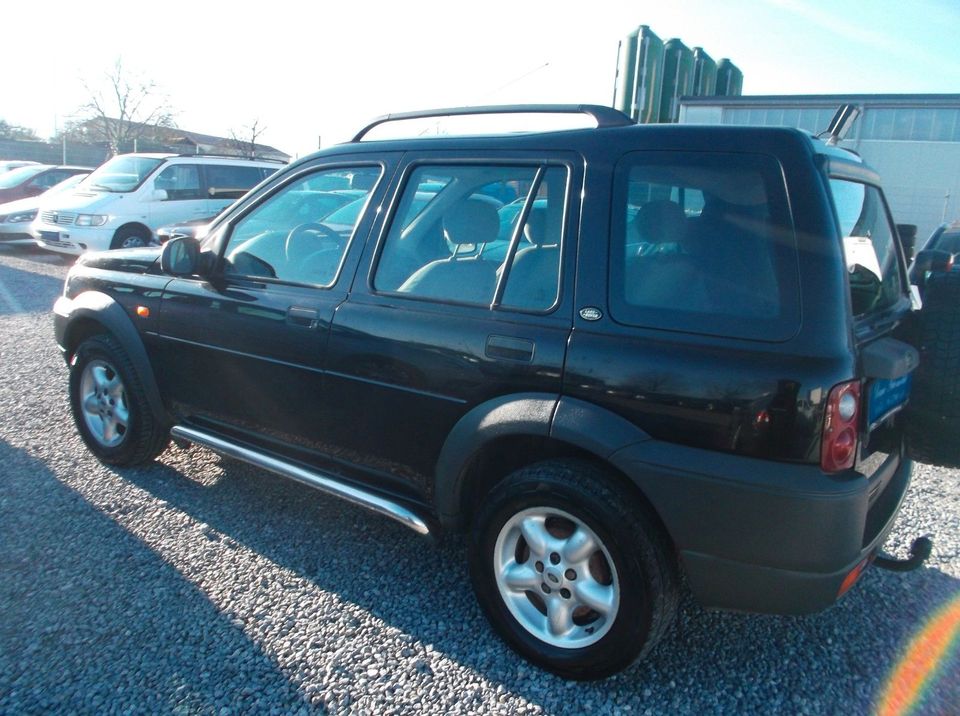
x,y
702,242
872,255
123,173
290,237
456,236
45,181
180,181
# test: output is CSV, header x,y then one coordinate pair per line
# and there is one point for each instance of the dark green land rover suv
x,y
615,355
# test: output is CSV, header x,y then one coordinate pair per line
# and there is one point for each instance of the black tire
x,y
130,237
641,555
933,422
143,437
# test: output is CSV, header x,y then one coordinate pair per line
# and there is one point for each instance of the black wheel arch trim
x,y
576,422
103,309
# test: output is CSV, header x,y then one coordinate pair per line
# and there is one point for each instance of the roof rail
x,y
230,156
605,116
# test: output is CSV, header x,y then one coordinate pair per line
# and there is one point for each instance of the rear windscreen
x,y
703,243
947,242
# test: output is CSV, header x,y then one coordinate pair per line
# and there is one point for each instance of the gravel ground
x,y
200,585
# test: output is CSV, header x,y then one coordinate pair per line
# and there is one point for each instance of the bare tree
x,y
15,131
244,141
125,107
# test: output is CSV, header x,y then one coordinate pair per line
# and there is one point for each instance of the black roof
x,y
593,140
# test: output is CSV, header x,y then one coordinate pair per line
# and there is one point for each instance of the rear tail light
x,y
840,433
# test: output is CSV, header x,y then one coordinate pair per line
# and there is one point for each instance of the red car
x,y
33,179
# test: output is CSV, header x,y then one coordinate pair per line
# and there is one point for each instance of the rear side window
x,y
221,176
474,234
872,256
947,241
702,242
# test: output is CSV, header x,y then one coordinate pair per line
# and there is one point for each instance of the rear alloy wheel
x,y
572,569
556,577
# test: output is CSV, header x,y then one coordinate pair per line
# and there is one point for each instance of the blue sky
x,y
320,70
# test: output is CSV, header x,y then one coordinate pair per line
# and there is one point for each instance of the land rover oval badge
x,y
591,314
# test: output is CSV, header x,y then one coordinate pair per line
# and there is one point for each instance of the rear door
x,y
459,302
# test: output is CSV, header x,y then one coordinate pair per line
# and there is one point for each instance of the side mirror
x,y
181,257
159,195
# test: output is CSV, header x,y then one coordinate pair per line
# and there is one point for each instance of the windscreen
x,y
16,177
122,174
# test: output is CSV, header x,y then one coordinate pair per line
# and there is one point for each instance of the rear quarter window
x,y
871,252
221,176
702,242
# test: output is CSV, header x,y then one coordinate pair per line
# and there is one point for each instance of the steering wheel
x,y
302,241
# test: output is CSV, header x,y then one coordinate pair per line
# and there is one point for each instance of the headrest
x,y
659,221
536,227
473,221
364,179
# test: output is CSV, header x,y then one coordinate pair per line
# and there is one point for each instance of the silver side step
x,y
325,483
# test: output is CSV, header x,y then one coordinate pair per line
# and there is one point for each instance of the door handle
x,y
305,317
508,348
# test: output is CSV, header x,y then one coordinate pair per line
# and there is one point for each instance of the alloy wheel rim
x,y
103,401
556,577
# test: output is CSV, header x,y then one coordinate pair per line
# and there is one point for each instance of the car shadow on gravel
x,y
94,619
27,292
710,661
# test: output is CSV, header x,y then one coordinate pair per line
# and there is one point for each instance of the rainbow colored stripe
x,y
921,666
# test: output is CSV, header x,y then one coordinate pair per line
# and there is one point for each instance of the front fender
x,y
93,311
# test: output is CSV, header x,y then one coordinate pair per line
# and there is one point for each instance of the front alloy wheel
x,y
110,406
104,402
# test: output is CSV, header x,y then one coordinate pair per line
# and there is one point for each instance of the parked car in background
x,y
194,228
126,199
946,237
11,164
936,255
33,180
16,216
310,204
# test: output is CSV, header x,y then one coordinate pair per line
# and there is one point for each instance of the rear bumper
x,y
766,537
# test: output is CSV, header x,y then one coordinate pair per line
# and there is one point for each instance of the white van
x,y
125,200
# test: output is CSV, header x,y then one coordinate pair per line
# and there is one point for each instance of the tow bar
x,y
919,553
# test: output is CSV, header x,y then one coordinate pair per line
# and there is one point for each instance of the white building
x,y
913,141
